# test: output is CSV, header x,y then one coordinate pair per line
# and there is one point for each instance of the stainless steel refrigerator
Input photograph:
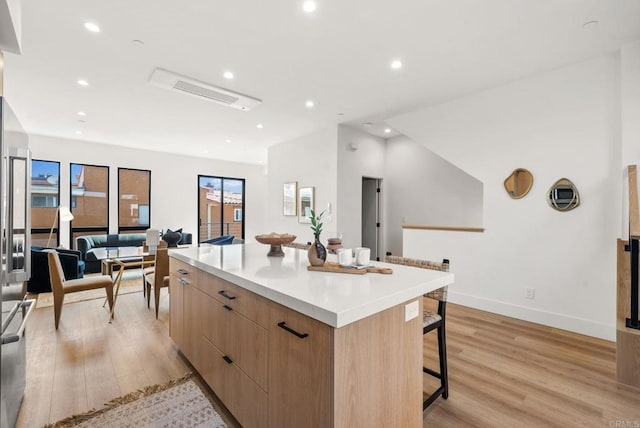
x,y
15,253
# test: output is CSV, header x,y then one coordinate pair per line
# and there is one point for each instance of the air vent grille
x,y
186,85
181,85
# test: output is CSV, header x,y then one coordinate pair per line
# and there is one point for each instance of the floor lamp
x,y
65,217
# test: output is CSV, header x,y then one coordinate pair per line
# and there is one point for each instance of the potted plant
x,y
317,252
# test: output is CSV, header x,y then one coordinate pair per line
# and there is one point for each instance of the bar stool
x,y
433,321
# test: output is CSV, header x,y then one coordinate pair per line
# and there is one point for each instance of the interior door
x,y
371,215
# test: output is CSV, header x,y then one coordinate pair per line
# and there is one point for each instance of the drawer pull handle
x,y
183,271
184,281
292,331
227,359
227,307
224,294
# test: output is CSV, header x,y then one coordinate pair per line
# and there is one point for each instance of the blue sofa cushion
x,y
220,240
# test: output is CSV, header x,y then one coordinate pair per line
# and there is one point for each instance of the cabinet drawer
x,y
179,269
300,370
243,301
244,341
243,397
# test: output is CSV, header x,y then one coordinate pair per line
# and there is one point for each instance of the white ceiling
x,y
338,56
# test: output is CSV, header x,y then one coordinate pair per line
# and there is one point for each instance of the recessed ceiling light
x,y
396,64
309,104
387,130
91,26
78,132
228,75
309,6
227,141
82,82
259,126
81,113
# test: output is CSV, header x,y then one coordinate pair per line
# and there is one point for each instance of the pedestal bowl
x,y
276,240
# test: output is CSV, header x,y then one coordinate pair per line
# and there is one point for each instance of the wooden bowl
x,y
275,240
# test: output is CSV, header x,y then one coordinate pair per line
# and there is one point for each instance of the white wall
x,y
424,189
630,132
311,161
174,181
368,160
564,123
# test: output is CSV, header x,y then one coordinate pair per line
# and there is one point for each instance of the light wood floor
x,y
503,372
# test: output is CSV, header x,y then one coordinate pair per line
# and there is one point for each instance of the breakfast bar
x,y
282,346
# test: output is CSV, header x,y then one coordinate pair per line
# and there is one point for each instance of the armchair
x,y
40,282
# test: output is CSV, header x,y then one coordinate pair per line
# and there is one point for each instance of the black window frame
x,y
94,229
47,230
133,228
222,179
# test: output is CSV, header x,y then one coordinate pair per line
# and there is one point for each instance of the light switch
x,y
411,310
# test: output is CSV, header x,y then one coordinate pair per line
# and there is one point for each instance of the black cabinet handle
x,y
183,271
223,293
227,359
227,307
292,331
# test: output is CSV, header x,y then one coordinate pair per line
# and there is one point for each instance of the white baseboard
x,y
552,319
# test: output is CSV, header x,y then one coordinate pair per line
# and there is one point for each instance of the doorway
x,y
371,215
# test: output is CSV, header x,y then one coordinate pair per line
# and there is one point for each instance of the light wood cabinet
x,y
300,370
176,303
244,398
274,367
244,341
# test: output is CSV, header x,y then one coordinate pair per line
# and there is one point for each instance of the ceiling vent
x,y
186,85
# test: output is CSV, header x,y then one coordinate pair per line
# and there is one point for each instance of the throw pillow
x,y
172,237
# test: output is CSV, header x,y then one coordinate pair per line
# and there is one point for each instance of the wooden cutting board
x,y
335,267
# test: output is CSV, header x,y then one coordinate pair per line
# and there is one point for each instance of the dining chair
x,y
60,286
149,269
433,322
158,278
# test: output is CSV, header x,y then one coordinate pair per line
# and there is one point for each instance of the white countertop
x,y
336,299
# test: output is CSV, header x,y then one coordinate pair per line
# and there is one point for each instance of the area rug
x,y
177,403
132,284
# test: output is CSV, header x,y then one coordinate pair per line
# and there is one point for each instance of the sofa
x,y
72,266
88,244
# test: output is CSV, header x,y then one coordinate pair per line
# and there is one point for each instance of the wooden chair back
x,y
56,274
161,268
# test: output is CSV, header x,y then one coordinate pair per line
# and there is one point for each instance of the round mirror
x,y
563,195
518,183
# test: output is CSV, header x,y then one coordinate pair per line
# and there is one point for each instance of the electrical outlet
x,y
530,293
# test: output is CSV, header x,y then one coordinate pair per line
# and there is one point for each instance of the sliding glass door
x,y
220,207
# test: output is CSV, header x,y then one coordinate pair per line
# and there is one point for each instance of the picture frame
x,y
306,196
290,199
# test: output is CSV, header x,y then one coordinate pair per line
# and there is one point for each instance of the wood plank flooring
x,y
502,372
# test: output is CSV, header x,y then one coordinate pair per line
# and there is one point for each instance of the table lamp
x,y
65,216
153,240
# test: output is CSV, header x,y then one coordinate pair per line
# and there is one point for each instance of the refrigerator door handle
x,y
30,304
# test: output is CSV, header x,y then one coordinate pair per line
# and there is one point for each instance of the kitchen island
x,y
282,346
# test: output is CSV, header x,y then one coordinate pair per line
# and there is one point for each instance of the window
x,y
90,200
134,200
220,207
45,197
